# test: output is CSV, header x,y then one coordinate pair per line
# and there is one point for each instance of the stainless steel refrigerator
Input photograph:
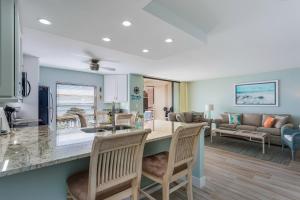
x,y
46,111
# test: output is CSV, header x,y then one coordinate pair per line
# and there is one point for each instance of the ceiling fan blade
x,y
108,68
110,61
90,54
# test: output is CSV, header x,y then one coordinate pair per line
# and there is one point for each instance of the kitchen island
x,y
36,161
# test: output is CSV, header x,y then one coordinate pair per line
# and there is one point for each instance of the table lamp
x,y
208,109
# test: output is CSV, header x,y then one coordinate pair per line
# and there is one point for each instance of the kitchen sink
x,y
92,130
105,128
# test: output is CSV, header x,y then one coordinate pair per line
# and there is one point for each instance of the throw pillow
x,y
269,122
198,116
180,117
235,118
225,118
280,121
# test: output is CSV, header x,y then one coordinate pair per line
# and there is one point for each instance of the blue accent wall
x,y
220,92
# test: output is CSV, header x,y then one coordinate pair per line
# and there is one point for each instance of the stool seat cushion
x,y
78,187
157,164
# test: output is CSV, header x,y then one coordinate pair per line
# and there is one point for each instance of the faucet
x,y
113,114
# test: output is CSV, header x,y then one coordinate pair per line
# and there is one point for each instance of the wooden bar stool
x,y
124,119
175,165
115,168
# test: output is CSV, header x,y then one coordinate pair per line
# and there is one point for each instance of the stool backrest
x,y
184,147
116,159
125,119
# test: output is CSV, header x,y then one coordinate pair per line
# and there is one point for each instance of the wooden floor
x,y
232,176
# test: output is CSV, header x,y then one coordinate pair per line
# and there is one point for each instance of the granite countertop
x,y
35,147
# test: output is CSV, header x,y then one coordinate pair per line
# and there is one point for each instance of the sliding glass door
x,y
160,98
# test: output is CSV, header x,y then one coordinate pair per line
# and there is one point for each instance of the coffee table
x,y
253,136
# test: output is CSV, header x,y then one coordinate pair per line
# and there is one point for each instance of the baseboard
x,y
199,182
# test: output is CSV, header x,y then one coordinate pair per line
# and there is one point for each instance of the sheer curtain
x,y
184,101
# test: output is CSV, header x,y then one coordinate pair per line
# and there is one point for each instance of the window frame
x,y
77,84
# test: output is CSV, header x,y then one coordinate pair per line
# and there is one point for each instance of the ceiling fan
x,y
96,63
96,66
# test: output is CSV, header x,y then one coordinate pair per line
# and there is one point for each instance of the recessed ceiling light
x,y
106,39
169,40
145,50
45,21
126,23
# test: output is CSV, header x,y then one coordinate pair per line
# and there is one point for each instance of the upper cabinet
x,y
10,52
115,88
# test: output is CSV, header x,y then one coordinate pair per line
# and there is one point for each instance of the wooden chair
x,y
177,164
115,168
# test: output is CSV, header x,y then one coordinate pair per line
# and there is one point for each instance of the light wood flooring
x,y
231,176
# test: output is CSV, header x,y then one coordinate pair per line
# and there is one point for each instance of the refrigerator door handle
x,y
51,97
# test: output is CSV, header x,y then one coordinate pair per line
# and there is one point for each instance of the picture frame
x,y
263,93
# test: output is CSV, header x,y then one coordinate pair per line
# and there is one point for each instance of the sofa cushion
x,y
197,116
246,127
180,117
227,126
252,119
272,131
172,117
188,116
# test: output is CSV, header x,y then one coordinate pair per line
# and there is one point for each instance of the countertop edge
x,y
61,161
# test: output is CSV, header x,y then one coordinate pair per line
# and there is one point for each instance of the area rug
x,y
273,154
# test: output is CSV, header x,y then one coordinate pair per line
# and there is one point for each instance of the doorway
x,y
158,98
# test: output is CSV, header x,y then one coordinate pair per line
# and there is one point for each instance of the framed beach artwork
x,y
257,93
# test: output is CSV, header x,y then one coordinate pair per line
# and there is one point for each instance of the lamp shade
x,y
209,107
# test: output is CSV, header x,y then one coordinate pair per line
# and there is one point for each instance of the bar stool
x,y
115,168
124,119
167,167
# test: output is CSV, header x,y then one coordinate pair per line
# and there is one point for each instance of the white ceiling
x,y
153,82
212,38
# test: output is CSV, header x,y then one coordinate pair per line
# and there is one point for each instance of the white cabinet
x,y
115,88
10,54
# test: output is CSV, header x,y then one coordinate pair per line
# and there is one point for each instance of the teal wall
x,y
47,183
220,92
50,76
136,100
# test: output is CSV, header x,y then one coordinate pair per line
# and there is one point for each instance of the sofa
x,y
191,117
254,122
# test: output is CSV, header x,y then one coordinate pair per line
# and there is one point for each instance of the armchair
x,y
291,138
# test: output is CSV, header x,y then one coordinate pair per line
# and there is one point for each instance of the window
x,y
76,105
